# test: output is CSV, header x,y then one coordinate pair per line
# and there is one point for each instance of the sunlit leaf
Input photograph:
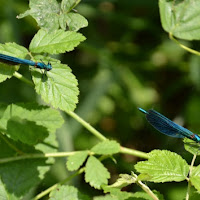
x,y
56,42
164,166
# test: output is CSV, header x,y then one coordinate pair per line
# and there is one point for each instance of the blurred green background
x,y
127,61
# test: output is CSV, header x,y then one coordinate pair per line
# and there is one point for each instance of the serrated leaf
x,y
106,197
191,146
107,147
3,193
76,160
123,181
117,193
58,88
55,42
10,147
8,151
144,177
68,5
6,71
145,196
95,173
45,12
26,131
48,14
42,115
164,166
181,18
66,192
20,176
74,21
11,49
195,177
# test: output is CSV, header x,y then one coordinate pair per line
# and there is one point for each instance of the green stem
x,y
183,46
145,188
189,182
36,155
87,126
10,144
47,191
101,137
134,152
22,78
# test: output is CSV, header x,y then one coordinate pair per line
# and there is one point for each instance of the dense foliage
x,y
75,132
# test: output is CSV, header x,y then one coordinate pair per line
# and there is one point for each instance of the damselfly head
x,y
49,66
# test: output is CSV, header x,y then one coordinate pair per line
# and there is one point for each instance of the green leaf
x,y
3,193
107,147
181,18
25,131
49,14
95,173
11,49
59,87
2,109
45,12
66,192
195,177
145,196
68,5
106,197
164,166
74,21
41,115
20,176
191,146
56,42
9,147
117,193
76,160
123,181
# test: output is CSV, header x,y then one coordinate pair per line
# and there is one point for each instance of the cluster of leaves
x,y
28,130
180,18
60,89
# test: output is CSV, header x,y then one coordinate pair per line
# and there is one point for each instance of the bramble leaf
x,y
3,192
48,14
191,146
164,166
107,147
45,12
20,176
74,21
58,87
95,173
67,192
195,177
123,181
56,42
41,115
11,49
68,5
25,131
64,192
76,160
181,18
